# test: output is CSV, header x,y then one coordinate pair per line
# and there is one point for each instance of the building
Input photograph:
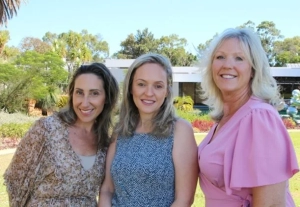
x,y
187,79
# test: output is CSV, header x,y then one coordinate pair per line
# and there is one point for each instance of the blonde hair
x,y
129,116
263,85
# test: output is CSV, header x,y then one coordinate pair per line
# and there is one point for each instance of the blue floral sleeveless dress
x,y
143,171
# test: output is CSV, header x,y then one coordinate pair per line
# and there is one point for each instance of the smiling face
x,y
88,98
230,69
149,88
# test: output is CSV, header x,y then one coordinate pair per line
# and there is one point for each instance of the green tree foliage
x,y
135,45
77,48
144,41
201,49
4,38
287,51
9,53
249,25
269,34
173,47
96,45
32,76
15,87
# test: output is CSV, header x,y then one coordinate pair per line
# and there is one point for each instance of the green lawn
x,y
4,161
199,200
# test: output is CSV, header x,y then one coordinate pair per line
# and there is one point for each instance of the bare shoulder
x,y
183,126
183,131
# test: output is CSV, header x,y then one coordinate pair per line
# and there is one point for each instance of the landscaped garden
x,y
14,126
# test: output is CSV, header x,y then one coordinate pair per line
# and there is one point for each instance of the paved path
x,y
7,151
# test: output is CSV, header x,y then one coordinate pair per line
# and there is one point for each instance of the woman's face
x,y
88,98
149,88
230,69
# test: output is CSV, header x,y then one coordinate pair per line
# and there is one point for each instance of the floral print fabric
x,y
45,171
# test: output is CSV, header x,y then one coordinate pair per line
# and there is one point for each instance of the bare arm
x,y
269,195
107,188
185,155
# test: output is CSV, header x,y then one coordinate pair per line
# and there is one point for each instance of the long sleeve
x,y
20,175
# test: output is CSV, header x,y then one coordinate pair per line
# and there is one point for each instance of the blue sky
x,y
195,20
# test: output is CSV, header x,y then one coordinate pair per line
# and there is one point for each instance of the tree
x,y
249,25
287,51
77,48
268,35
96,45
201,49
135,45
144,42
45,76
9,53
13,88
173,47
32,43
4,38
8,8
50,38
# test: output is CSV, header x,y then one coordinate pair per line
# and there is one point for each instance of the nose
x,y
149,91
228,63
85,101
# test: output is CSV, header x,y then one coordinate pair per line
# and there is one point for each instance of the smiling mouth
x,y
86,111
148,101
228,76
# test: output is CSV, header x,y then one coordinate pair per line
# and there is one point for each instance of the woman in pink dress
x,y
247,157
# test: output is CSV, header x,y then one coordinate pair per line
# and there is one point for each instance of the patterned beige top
x,y
45,171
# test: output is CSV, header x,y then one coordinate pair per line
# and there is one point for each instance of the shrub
x,y
187,115
203,125
193,115
16,118
185,103
62,101
14,130
289,123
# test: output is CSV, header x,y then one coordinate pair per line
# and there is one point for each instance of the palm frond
x,y
8,8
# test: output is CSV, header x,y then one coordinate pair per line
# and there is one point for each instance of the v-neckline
x,y
74,154
235,117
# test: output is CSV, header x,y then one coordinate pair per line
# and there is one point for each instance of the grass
x,y
199,198
4,162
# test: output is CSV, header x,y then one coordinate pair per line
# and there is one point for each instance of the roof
x,y
293,65
192,74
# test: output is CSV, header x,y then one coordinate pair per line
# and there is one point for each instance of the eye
x,y
141,84
95,93
78,92
158,86
219,57
239,58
